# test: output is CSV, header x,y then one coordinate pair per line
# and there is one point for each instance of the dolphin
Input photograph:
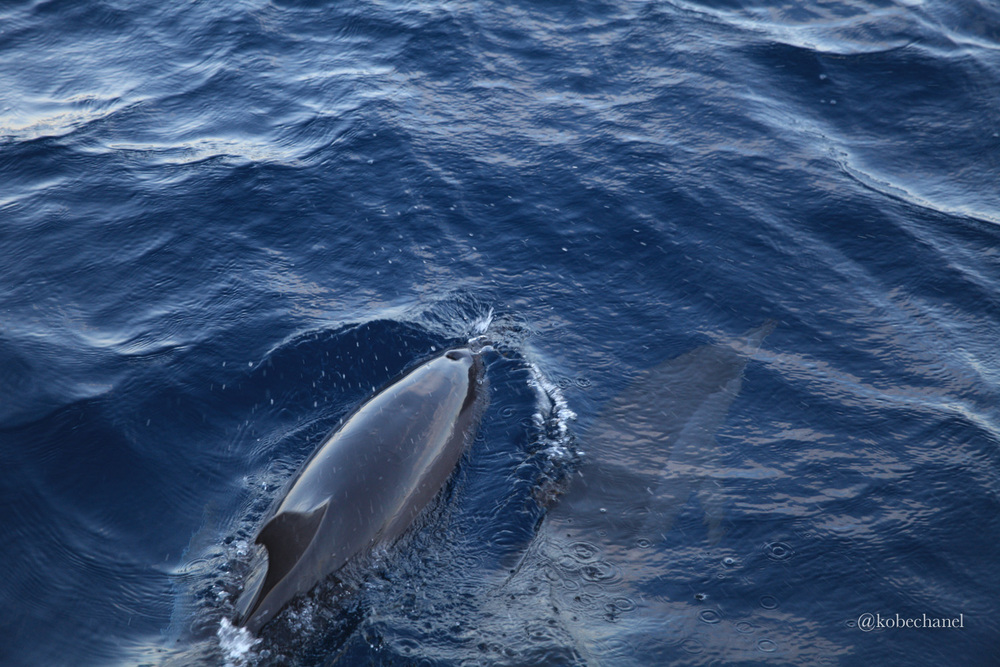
x,y
594,577
365,483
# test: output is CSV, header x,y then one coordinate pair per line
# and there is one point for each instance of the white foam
x,y
236,643
553,411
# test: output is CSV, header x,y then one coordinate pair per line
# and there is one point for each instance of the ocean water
x,y
739,260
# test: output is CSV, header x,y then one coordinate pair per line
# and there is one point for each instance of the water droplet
x,y
769,602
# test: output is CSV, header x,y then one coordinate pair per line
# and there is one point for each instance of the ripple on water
x,y
767,646
568,563
541,632
600,571
624,604
569,584
768,602
612,648
778,551
584,551
709,616
407,646
692,646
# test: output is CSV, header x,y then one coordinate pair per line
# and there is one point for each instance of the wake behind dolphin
x,y
367,482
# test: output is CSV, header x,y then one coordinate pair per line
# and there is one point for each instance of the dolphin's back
x,y
368,481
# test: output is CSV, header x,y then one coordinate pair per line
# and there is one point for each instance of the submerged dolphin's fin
x,y
755,337
286,537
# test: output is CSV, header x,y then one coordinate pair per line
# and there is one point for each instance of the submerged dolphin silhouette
x,y
367,482
650,451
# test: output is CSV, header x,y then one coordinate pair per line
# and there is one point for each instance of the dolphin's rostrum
x,y
367,482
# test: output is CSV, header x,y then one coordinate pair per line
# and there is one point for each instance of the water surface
x,y
222,227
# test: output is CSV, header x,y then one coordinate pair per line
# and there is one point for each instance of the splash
x,y
553,415
236,644
481,324
556,455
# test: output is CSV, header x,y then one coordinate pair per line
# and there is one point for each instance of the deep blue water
x,y
740,260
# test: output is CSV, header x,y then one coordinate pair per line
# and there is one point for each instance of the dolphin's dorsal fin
x,y
286,537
